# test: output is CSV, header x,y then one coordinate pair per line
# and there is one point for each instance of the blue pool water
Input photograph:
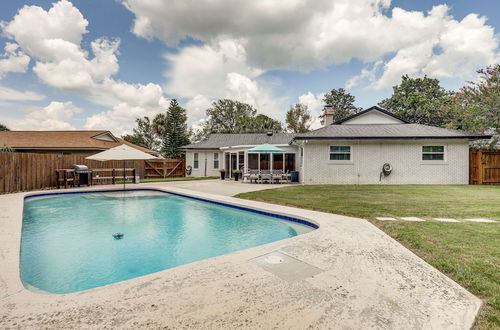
x,y
67,243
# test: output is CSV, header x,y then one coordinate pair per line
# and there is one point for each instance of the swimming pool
x,y
67,240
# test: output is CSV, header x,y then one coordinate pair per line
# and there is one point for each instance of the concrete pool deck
x,y
360,279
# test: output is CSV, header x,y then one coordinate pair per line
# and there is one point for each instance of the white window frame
x,y
196,160
216,159
433,161
341,161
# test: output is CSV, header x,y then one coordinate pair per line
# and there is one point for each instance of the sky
x,y
99,64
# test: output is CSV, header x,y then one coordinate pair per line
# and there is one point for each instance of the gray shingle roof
x,y
389,131
216,141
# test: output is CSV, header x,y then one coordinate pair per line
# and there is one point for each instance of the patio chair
x,y
277,175
265,175
251,175
286,176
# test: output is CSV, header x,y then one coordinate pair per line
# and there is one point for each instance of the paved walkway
x,y
347,274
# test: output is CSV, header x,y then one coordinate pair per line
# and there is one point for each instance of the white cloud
x,y
53,39
366,74
55,116
315,104
9,94
48,35
196,107
13,60
310,34
204,69
121,119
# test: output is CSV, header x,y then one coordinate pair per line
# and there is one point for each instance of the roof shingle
x,y
385,131
216,141
61,140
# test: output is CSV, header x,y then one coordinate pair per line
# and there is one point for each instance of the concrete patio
x,y
353,277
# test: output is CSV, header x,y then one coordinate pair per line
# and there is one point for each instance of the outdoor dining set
x,y
269,176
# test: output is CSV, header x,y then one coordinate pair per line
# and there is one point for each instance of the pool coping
x,y
448,303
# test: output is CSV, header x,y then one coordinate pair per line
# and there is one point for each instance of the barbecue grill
x,y
84,174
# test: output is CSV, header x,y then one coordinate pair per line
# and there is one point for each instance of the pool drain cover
x,y
285,267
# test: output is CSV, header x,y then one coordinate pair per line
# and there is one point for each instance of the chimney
x,y
327,115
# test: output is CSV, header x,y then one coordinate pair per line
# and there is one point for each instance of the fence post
x,y
480,168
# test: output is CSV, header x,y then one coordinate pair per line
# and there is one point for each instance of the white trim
x,y
341,162
434,162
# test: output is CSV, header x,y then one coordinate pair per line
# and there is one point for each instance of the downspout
x,y
304,162
205,164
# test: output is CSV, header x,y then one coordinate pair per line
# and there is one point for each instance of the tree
x,y
258,124
420,101
476,107
176,132
226,116
3,128
144,135
342,103
229,116
298,119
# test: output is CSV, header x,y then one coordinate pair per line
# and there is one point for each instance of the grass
x,y
174,179
369,201
469,253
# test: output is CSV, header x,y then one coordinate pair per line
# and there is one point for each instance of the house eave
x,y
473,137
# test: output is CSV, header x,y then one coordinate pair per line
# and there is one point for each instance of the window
x,y
277,161
195,162
241,160
265,161
216,160
289,162
340,152
253,161
433,153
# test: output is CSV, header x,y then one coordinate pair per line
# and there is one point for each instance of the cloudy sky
x,y
99,64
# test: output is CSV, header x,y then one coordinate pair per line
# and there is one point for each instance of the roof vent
x,y
269,133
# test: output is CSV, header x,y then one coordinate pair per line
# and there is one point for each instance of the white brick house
x,y
351,151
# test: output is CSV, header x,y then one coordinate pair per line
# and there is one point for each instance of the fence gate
x,y
484,166
164,168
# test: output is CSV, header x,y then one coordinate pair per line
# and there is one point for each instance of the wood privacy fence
x,y
484,166
164,168
28,171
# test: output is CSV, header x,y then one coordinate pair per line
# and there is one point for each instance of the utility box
x,y
137,179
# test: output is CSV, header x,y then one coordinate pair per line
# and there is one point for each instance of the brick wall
x,y
369,156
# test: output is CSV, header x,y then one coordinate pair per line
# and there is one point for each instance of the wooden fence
x,y
484,166
164,168
29,171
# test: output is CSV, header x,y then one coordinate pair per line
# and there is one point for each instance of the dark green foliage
x,y
144,135
420,101
298,119
476,107
175,131
342,103
229,116
3,128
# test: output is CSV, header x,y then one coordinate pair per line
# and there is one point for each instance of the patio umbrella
x,y
122,152
266,148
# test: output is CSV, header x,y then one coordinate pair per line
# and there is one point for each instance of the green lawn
x,y
469,253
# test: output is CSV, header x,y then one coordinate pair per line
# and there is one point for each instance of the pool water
x,y
67,240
